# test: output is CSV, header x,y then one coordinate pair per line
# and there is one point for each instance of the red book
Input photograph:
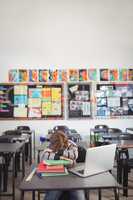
x,y
51,168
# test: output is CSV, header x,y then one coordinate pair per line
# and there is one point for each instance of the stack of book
x,y
52,168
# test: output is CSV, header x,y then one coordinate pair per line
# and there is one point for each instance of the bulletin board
x,y
114,100
79,103
31,101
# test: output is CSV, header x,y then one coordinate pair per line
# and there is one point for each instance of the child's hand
x,y
48,150
65,158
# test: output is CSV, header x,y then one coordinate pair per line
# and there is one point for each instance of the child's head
x,y
58,141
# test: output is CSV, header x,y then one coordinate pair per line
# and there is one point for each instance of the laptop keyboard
x,y
81,171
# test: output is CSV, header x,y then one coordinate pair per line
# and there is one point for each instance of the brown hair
x,y
58,141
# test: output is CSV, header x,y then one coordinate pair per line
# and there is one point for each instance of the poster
x,y
73,75
34,102
114,75
46,94
123,74
43,75
46,108
62,75
20,89
20,100
35,92
92,74
13,75
130,74
56,94
83,75
23,75
34,112
104,74
20,112
56,108
53,75
33,75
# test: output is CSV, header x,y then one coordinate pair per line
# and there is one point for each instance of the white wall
x,y
60,33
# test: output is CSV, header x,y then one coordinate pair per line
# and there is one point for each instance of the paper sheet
x,y
114,102
20,112
20,89
34,102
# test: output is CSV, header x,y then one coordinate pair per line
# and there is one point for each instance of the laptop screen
x,y
99,159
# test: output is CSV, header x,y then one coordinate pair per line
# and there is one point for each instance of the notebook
x,y
98,160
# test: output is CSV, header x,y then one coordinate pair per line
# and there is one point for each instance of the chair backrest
x,y
23,128
12,132
102,127
114,130
5,139
81,154
126,136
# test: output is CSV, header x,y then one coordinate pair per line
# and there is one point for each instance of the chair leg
x,y
116,193
125,179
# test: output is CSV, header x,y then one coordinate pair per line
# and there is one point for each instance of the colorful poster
x,y
53,75
33,75
104,74
92,74
20,112
43,75
62,75
46,94
23,75
35,92
46,108
20,100
130,74
56,108
13,75
123,74
20,90
73,75
83,75
34,112
56,94
34,102
114,75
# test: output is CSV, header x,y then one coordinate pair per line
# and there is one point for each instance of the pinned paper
x,y
20,112
34,102
20,90
34,112
56,94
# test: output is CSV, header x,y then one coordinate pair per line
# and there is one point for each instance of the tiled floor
x,y
106,194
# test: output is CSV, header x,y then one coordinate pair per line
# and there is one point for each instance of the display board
x,y
31,101
114,100
79,104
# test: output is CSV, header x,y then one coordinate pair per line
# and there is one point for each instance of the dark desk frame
x,y
13,149
70,182
20,138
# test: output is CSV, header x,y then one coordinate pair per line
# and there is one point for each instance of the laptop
x,y
98,160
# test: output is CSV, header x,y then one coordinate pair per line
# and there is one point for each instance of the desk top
x,y
10,147
70,182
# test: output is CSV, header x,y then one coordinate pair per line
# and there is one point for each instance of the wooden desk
x,y
70,182
11,149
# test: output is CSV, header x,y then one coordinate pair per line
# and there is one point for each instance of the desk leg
x,y
23,161
116,192
87,194
30,144
22,195
34,145
99,194
13,177
33,195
